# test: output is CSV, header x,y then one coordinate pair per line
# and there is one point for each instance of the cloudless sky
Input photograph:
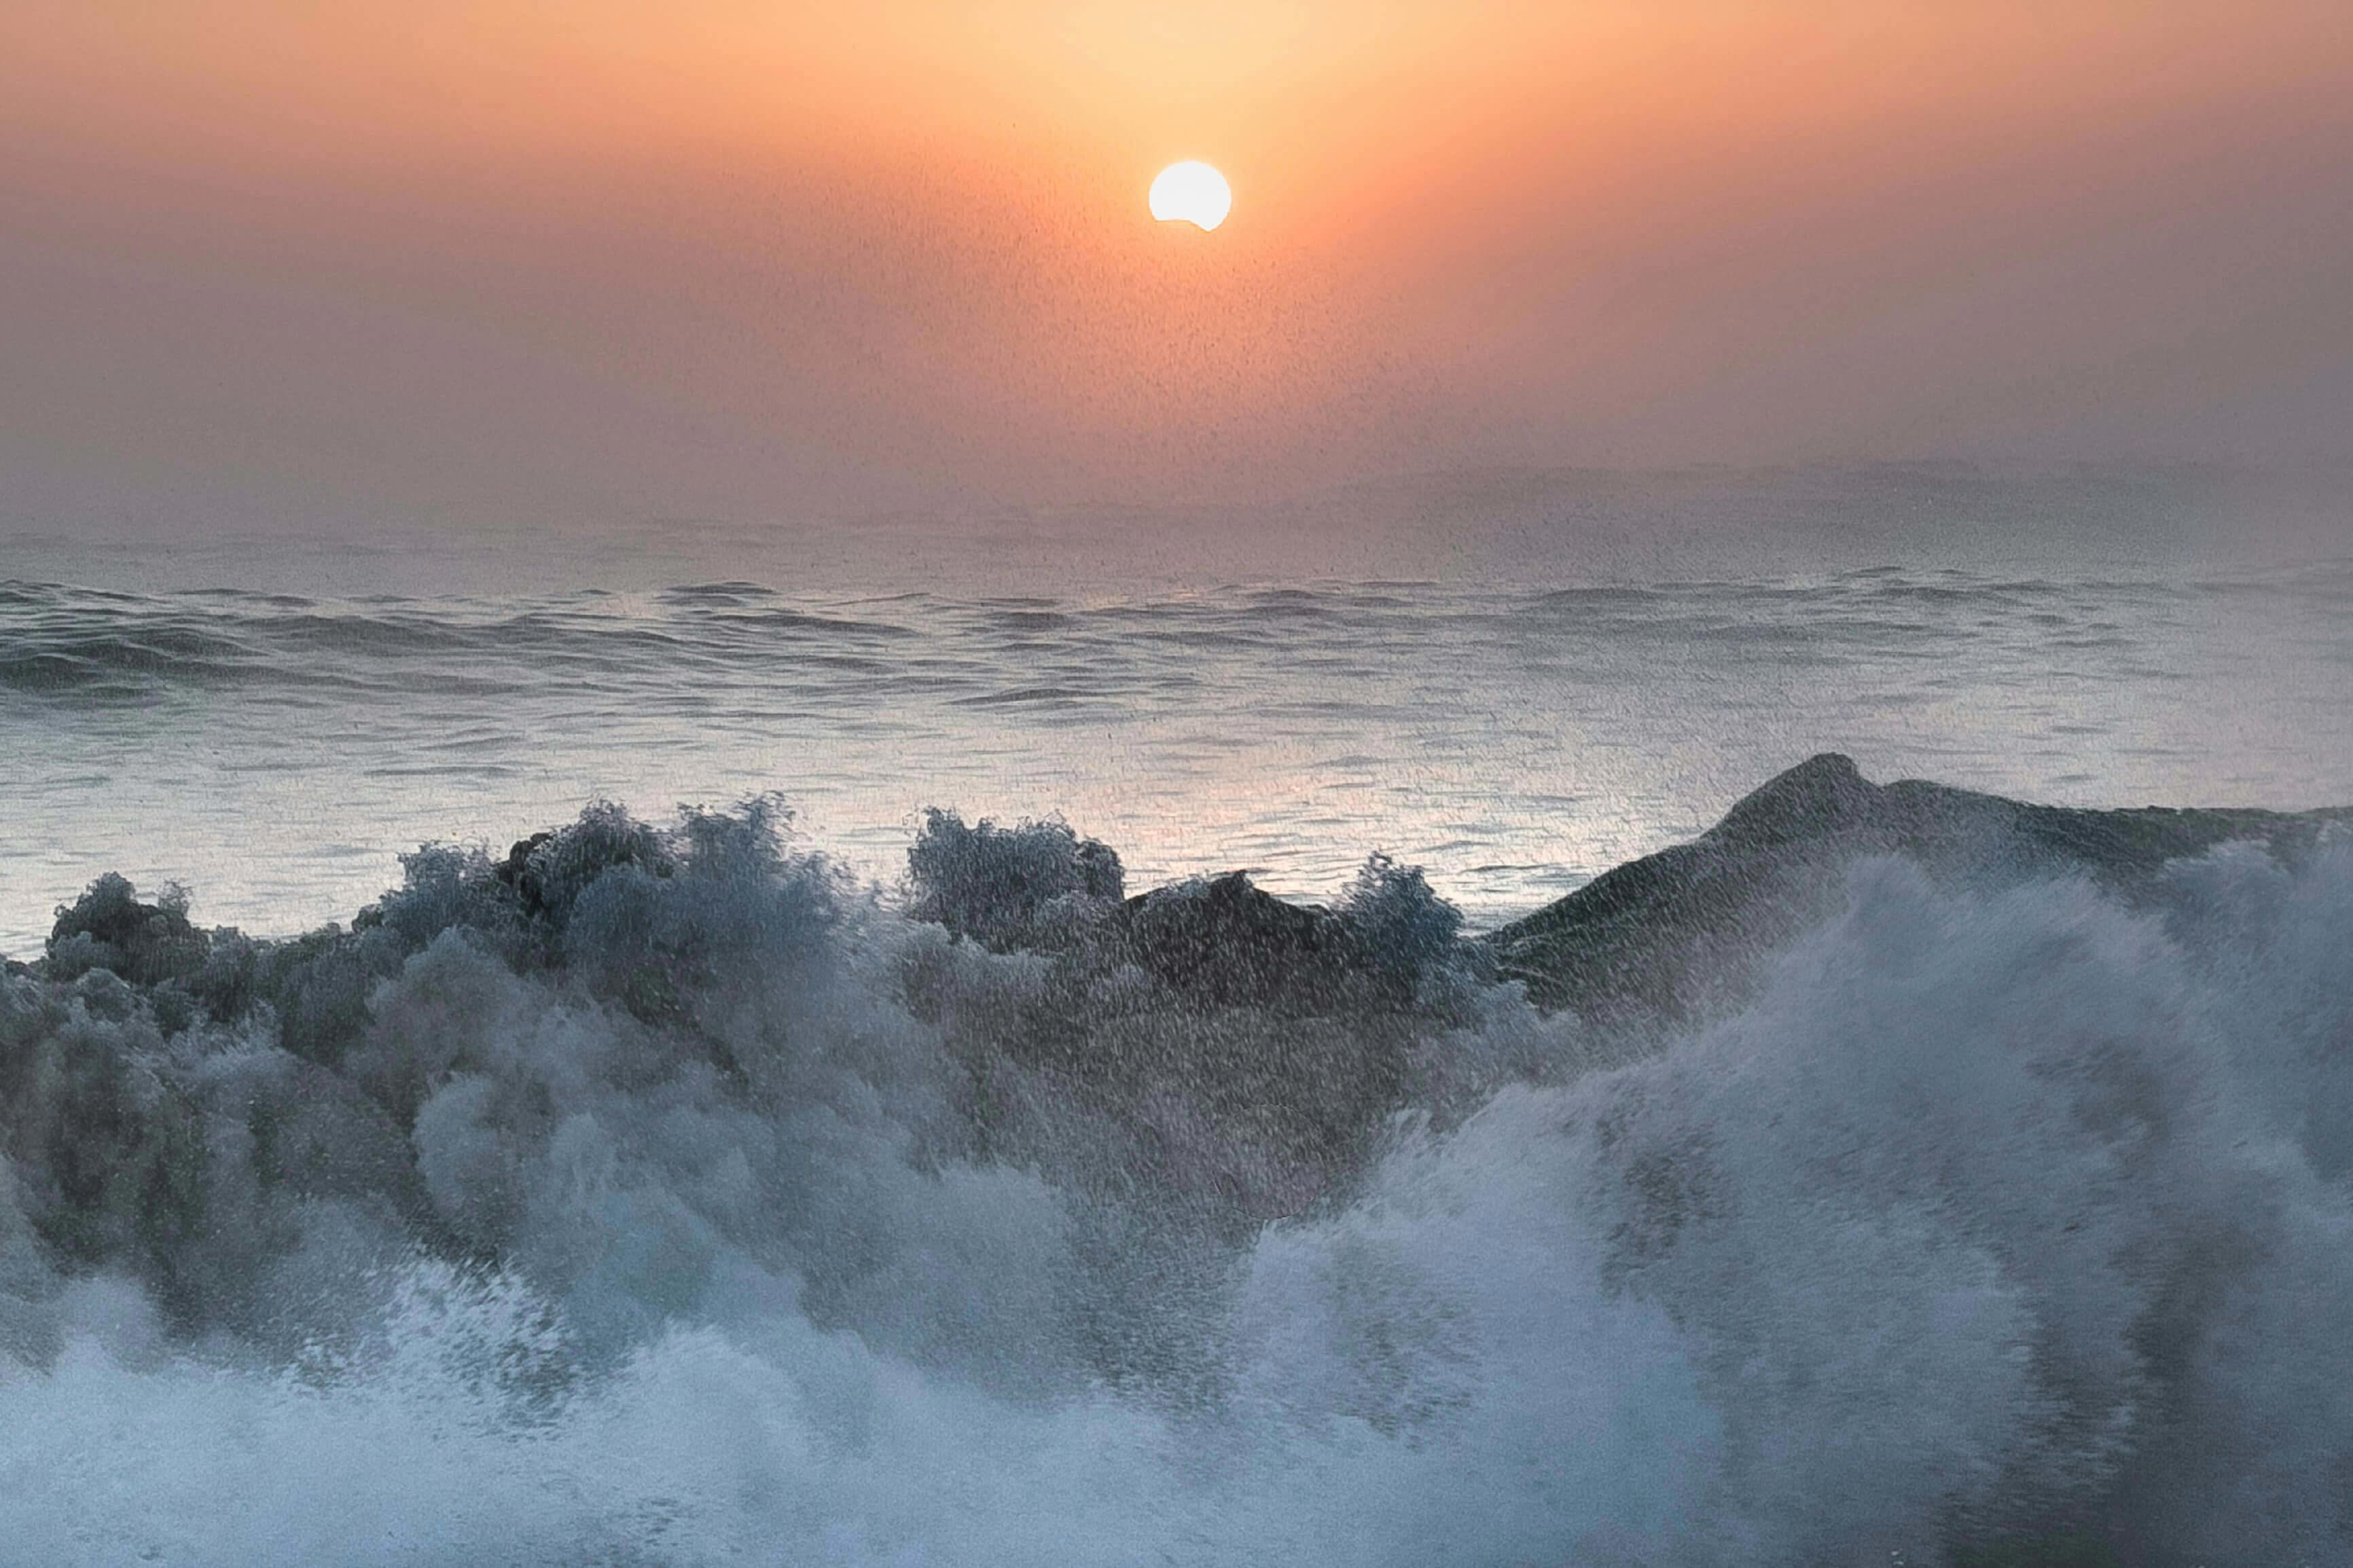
x,y
331,260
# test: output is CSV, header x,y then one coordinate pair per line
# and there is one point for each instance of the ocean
x,y
275,751
709,1180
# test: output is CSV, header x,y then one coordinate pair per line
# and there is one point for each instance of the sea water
x,y
275,751
2012,1220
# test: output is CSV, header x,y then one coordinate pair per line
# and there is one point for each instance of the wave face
x,y
656,1195
280,749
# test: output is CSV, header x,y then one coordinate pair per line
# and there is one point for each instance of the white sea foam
x,y
1991,1218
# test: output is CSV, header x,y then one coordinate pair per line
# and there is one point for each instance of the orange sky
x,y
506,259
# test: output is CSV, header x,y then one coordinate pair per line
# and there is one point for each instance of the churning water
x,y
673,1195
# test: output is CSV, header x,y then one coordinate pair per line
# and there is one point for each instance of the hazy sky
x,y
340,262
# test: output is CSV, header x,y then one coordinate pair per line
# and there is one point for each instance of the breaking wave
x,y
658,1194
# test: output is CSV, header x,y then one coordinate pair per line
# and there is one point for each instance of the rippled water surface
x,y
275,751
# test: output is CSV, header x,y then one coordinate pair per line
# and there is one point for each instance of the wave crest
x,y
656,1194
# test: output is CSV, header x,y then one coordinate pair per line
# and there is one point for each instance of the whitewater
x,y
584,1107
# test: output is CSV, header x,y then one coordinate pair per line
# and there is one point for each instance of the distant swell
x,y
1513,740
656,1194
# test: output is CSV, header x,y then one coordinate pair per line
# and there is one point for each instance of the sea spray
x,y
712,1211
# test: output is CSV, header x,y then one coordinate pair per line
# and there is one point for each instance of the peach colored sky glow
x,y
507,259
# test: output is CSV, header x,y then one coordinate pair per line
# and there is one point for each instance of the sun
x,y
1191,192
